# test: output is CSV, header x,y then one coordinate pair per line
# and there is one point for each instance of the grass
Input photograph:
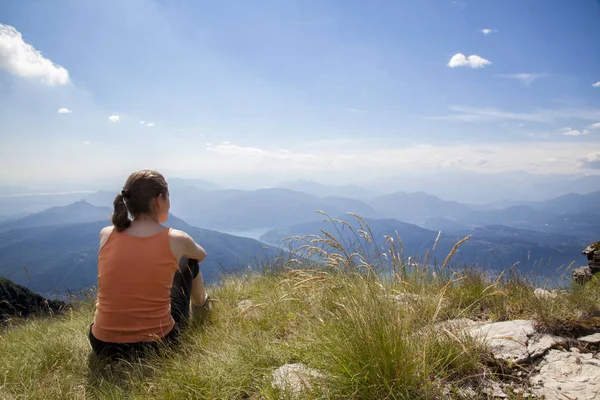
x,y
340,318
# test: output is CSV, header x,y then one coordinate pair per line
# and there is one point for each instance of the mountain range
x,y
249,209
58,245
491,247
57,255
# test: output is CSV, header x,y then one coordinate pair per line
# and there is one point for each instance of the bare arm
x,y
104,234
188,247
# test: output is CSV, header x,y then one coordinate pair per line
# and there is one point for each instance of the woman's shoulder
x,y
178,235
107,230
105,233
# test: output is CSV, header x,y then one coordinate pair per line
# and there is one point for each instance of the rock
x,y
592,252
539,343
507,340
582,275
567,375
544,294
295,379
592,339
514,341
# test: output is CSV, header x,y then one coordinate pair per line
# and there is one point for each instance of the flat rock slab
x,y
295,379
593,339
514,341
567,375
539,343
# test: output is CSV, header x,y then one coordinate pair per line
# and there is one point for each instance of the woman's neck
x,y
146,219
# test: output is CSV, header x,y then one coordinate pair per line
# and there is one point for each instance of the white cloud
x,y
64,111
574,132
594,126
487,31
21,59
597,84
362,158
114,118
525,78
473,61
590,161
142,122
150,124
86,142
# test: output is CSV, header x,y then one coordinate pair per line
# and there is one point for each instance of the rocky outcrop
x,y
554,372
584,274
514,341
592,253
567,375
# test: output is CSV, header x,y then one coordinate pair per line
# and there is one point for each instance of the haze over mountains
x,y
57,242
57,252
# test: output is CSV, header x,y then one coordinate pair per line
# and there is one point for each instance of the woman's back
x,y
135,275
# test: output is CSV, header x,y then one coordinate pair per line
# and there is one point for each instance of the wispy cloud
x,y
594,126
86,142
487,31
474,114
150,124
574,132
459,4
591,161
597,84
361,157
142,122
21,59
527,79
64,111
114,118
473,61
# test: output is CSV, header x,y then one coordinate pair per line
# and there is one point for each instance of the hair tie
x,y
125,193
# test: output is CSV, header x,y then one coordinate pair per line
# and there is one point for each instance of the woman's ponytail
x,y
120,217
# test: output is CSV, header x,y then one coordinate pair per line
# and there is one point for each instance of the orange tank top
x,y
135,275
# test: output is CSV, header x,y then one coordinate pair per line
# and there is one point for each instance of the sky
x,y
256,92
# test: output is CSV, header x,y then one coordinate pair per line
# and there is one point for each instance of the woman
x,y
147,273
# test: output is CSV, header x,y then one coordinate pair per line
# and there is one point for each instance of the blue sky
x,y
320,89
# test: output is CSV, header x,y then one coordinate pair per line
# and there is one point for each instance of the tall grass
x,y
363,316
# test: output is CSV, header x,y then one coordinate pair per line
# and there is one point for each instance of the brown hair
x,y
139,189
